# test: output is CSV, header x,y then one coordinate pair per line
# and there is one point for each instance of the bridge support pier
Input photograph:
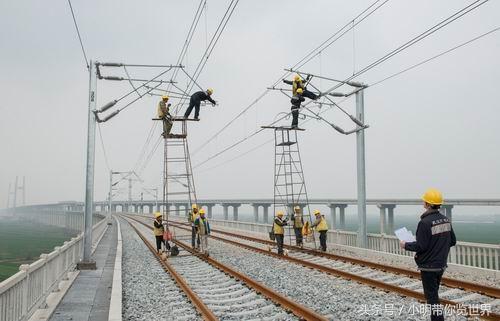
x,y
235,212
447,211
255,212
342,215
386,226
265,219
390,218
382,218
333,214
225,211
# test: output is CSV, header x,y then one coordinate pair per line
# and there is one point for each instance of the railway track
x,y
455,293
219,292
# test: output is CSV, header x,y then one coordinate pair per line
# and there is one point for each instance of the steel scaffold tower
x,y
178,180
289,182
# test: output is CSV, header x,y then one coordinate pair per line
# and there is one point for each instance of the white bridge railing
x,y
480,255
27,290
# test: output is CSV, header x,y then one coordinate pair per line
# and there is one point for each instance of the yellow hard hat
x,y
433,196
202,211
164,97
194,206
316,212
296,207
280,213
300,91
297,78
157,214
210,91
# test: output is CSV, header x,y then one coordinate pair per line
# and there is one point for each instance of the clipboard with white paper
x,y
403,234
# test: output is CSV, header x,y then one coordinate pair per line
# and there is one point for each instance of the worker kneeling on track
x,y
158,230
321,227
279,230
434,237
203,230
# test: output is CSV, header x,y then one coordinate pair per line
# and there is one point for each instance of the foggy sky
x,y
434,126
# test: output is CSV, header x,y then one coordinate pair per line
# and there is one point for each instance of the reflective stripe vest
x,y
162,109
157,230
296,85
322,226
277,229
203,227
192,217
298,221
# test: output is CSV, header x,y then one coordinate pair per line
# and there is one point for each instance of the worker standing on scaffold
x,y
193,215
164,115
296,100
321,227
196,100
203,231
299,83
279,230
298,224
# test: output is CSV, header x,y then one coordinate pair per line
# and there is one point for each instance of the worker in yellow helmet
x,y
203,230
321,227
196,100
298,223
296,100
158,230
193,215
297,83
164,115
434,237
279,230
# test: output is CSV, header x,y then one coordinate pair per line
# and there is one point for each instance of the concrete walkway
x,y
89,296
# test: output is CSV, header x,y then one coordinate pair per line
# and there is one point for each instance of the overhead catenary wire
x,y
180,59
406,45
150,155
208,51
443,23
103,148
261,145
435,57
363,15
142,153
189,36
78,33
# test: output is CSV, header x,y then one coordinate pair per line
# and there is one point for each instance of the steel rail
x,y
450,282
288,304
351,276
203,309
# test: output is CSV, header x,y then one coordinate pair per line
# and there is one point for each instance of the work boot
x,y
196,118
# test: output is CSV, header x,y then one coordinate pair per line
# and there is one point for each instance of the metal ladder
x,y
289,182
178,181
